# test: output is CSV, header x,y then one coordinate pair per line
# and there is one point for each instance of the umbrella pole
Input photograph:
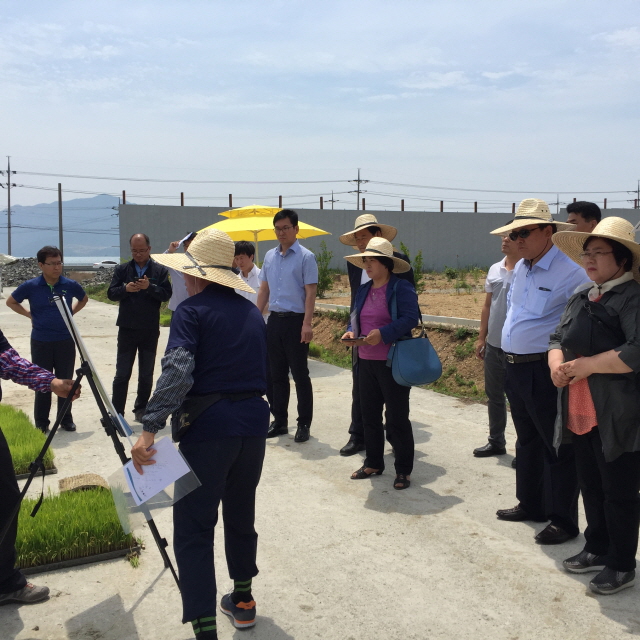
x,y
255,237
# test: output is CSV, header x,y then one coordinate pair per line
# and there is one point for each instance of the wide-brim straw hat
x,y
210,257
379,248
532,211
612,228
363,222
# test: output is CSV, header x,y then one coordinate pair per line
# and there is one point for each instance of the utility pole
x,y
332,200
8,186
60,234
358,191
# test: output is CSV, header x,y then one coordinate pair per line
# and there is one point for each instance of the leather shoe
x,y
276,429
513,463
489,449
352,447
68,427
302,434
515,514
553,534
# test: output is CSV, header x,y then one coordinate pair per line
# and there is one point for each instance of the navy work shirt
x,y
48,325
228,337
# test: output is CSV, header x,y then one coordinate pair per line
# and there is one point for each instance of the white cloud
x,y
436,80
627,38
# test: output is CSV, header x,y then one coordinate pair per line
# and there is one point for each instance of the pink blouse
x,y
374,314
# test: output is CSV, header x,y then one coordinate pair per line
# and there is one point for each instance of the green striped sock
x,y
205,628
242,591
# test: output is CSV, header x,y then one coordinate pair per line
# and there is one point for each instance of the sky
x,y
460,101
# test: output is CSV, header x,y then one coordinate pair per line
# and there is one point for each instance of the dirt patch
x,y
458,297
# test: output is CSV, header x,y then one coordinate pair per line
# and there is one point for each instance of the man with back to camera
x,y
140,286
14,587
52,346
365,228
488,346
585,215
288,283
546,481
178,287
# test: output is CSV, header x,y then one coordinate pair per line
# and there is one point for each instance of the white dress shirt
x,y
253,282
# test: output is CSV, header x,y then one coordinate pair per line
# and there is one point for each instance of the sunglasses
x,y
523,233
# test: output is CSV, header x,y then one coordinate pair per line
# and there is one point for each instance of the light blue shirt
x,y
536,300
287,275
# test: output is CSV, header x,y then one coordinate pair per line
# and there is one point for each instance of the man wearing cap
x,y
214,333
585,215
366,227
140,286
543,282
288,282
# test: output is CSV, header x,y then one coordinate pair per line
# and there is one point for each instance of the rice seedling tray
x,y
47,472
75,562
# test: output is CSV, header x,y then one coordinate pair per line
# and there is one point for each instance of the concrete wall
x,y
445,239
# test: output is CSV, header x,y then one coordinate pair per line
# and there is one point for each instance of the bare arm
x,y
310,291
558,376
79,305
263,296
484,326
18,308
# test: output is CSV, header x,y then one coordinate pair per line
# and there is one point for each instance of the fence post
x,y
605,203
401,205
363,207
280,202
321,202
513,208
441,206
575,199
182,199
124,197
475,207
230,201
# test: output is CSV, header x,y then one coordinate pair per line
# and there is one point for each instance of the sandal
x,y
361,474
401,482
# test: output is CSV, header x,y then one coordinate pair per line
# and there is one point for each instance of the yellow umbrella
x,y
257,228
251,211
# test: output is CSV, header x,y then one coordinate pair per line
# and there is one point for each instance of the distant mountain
x,y
90,227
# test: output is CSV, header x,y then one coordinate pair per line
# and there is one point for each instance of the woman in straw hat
x,y
594,357
373,330
216,353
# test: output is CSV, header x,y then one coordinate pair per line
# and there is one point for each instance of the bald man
x,y
140,286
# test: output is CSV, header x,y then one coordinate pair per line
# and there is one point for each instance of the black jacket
x,y
355,276
616,396
140,310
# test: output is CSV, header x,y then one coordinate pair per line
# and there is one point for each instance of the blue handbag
x,y
413,361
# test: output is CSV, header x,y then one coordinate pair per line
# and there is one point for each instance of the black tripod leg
x,y
162,546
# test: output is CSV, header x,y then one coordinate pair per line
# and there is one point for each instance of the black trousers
x,y
11,579
356,428
495,369
59,357
378,390
229,470
142,342
286,353
611,501
546,482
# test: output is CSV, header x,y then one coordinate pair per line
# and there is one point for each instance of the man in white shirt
x,y
488,346
249,272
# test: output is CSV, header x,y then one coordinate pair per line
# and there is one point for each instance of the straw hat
x,y
363,222
532,211
209,257
612,228
379,247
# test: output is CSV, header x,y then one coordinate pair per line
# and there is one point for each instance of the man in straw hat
x,y
365,228
546,483
214,333
288,282
600,397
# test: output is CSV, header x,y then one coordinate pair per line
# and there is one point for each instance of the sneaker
x,y
29,594
243,613
610,581
584,562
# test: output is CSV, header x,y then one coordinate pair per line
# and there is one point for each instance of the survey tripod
x,y
112,428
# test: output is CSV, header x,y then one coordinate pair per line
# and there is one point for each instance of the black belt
x,y
286,314
514,358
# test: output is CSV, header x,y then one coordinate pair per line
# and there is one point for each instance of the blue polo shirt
x,y
47,323
228,337
286,276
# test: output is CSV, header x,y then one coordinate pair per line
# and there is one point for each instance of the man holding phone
x,y
140,286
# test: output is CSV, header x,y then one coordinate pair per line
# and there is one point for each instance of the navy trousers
x,y
546,481
229,470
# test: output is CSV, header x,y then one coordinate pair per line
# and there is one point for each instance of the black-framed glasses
x,y
587,255
522,233
283,229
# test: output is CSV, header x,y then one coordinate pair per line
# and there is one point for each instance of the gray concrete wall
x,y
456,239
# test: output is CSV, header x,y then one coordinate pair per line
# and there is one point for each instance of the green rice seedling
x,y
24,440
74,524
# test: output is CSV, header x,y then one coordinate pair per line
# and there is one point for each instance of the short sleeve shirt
x,y
287,276
497,284
227,335
48,325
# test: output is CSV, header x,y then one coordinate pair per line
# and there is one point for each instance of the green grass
x,y
451,383
99,292
330,356
25,441
74,524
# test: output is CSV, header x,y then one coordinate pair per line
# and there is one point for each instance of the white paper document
x,y
169,466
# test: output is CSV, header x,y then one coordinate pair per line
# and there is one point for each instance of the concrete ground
x,y
339,559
